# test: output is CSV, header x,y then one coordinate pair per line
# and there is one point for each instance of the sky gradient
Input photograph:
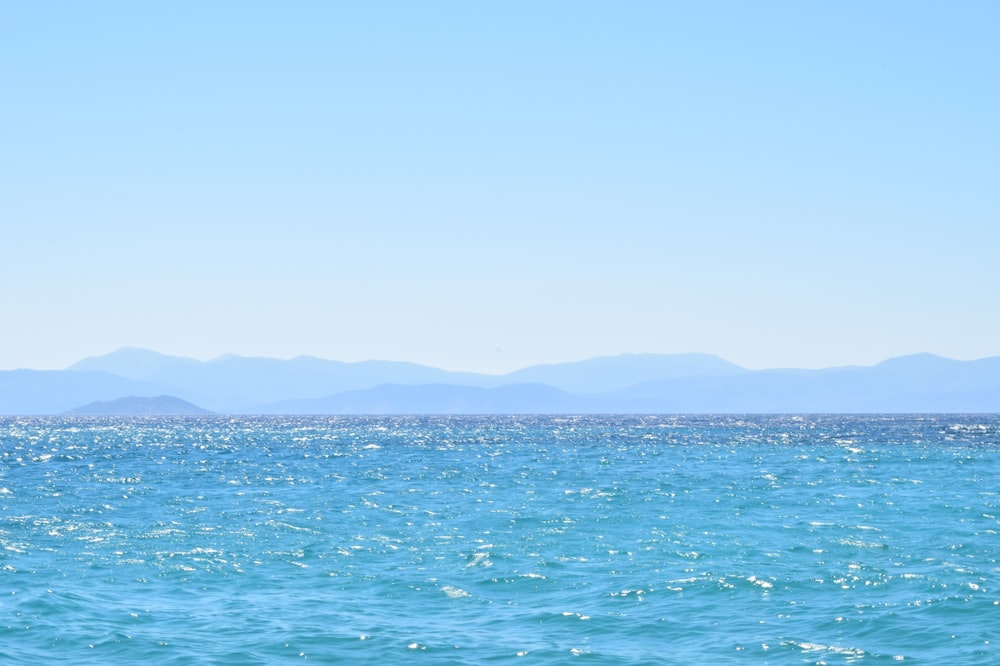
x,y
485,186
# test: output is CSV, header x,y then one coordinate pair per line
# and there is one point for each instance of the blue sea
x,y
523,540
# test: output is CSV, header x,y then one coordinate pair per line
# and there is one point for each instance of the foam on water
x,y
622,540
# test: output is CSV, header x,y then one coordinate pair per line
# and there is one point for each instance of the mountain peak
x,y
917,360
163,405
132,362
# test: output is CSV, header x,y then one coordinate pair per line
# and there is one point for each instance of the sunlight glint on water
x,y
539,539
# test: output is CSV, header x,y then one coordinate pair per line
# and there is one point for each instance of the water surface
x,y
531,540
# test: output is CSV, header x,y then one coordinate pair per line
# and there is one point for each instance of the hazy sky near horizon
x,y
489,185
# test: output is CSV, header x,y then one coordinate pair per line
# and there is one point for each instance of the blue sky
x,y
484,186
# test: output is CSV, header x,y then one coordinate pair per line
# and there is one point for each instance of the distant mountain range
x,y
630,383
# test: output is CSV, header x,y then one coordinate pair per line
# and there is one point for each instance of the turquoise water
x,y
528,540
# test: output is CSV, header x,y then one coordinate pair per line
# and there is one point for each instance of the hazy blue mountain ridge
x,y
919,383
611,373
235,383
630,383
